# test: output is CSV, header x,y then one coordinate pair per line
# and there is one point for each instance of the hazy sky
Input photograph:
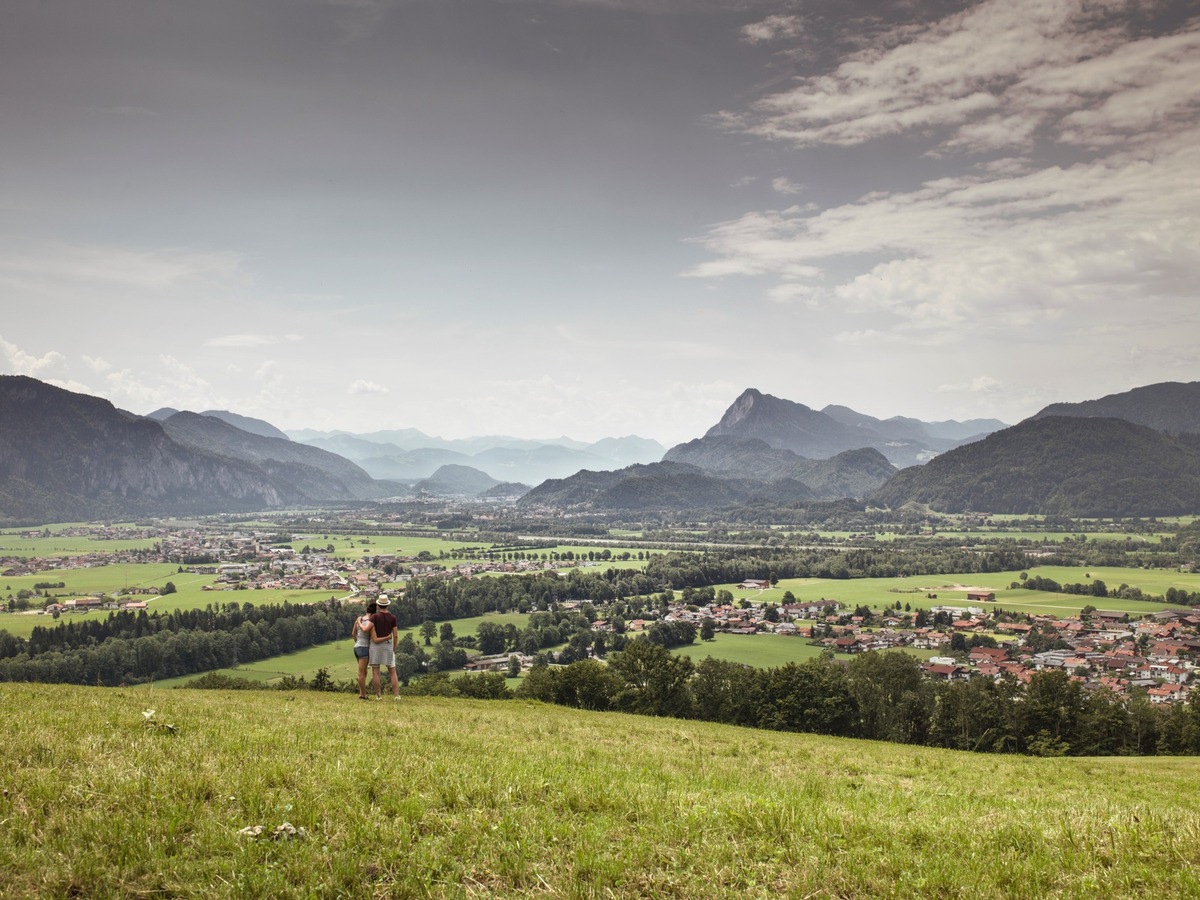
x,y
597,217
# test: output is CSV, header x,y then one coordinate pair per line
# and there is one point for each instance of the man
x,y
384,638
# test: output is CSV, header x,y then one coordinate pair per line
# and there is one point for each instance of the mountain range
x,y
787,425
1059,465
68,456
409,455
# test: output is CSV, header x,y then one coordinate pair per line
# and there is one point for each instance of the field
x,y
764,651
13,543
337,656
951,589
456,798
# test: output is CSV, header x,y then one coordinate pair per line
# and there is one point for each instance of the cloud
x,y
980,384
123,268
19,362
250,340
784,185
96,363
1089,214
362,386
773,28
996,75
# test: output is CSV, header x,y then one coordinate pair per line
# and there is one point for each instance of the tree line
x,y
132,648
877,696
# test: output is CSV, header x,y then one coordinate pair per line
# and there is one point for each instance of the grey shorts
x,y
382,654
361,652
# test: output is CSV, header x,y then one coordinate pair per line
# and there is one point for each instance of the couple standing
x,y
375,638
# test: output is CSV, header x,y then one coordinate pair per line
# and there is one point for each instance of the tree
x,y
894,700
707,630
725,691
428,630
169,588
491,639
446,633
656,682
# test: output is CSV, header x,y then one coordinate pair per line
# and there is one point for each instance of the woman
x,y
361,633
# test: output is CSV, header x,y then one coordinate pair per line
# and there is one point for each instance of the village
x,y
1153,653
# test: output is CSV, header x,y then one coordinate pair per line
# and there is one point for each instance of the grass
x,y
914,590
457,798
764,651
337,657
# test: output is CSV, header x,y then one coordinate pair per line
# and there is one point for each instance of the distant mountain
x,y
968,430
787,425
506,459
246,423
1059,465
663,485
456,481
852,473
506,490
1172,407
312,472
66,456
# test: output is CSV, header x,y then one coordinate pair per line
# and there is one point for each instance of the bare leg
x,y
362,677
395,683
375,680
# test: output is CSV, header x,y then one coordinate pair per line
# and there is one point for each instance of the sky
x,y
597,218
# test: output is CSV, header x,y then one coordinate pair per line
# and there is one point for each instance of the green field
x,y
337,656
12,543
951,589
764,651
456,798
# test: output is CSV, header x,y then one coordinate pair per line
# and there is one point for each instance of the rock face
x,y
66,456
786,425
1060,466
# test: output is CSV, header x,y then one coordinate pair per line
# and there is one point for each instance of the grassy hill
x,y
456,798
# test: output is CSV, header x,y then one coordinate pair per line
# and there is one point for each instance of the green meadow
x,y
951,589
306,794
12,543
337,657
764,651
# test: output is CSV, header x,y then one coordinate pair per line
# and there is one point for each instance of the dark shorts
x,y
361,652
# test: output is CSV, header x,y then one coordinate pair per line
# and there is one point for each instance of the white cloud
x,y
773,28
980,384
250,340
37,265
784,185
994,76
1102,230
19,362
362,386
96,363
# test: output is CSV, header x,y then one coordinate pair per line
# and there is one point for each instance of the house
x,y
982,596
754,584
943,672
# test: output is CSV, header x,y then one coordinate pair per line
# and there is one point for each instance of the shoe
x,y
397,699
363,697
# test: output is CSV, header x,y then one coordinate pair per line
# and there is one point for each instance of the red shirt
x,y
384,622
